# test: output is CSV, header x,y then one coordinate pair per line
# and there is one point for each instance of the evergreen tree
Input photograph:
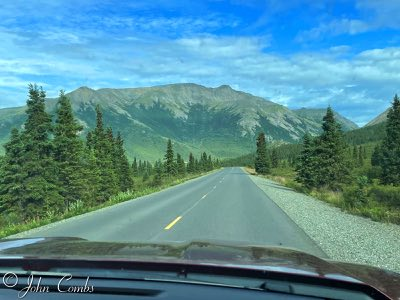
x,y
391,146
355,154
360,157
89,140
191,164
122,165
140,168
149,168
146,176
274,158
209,163
134,167
170,167
261,160
68,154
12,187
103,150
332,165
40,185
376,158
157,180
180,165
306,167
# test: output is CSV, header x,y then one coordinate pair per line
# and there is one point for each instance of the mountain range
x,y
221,121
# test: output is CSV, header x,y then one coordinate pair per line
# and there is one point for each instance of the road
x,y
224,206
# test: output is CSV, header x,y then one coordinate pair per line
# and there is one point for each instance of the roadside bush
x,y
389,195
356,196
329,196
374,172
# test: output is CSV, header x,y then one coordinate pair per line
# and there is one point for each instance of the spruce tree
x,y
103,150
209,163
140,168
274,158
360,157
157,180
197,167
122,165
333,167
306,166
391,146
68,153
355,154
134,167
12,187
376,158
203,161
261,161
190,165
170,167
41,186
149,168
180,165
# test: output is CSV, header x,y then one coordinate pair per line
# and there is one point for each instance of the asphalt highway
x,y
223,206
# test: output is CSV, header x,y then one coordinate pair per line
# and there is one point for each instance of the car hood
x,y
204,252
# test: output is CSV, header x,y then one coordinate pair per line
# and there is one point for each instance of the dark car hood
x,y
204,252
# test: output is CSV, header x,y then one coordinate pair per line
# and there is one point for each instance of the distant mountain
x,y
367,134
379,119
222,121
316,115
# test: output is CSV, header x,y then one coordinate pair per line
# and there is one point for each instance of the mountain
x,y
379,119
220,121
316,115
367,134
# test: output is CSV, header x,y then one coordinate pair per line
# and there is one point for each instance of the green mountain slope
x,y
221,121
316,115
379,119
366,134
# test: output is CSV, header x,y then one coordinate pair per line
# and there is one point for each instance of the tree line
x,y
48,168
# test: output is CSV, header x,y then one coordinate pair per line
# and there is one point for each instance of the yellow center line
x,y
169,226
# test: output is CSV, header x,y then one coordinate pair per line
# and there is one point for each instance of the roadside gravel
x,y
340,235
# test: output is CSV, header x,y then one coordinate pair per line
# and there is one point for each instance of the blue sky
x,y
300,53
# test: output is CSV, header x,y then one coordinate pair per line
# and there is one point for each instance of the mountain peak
x,y
84,88
224,87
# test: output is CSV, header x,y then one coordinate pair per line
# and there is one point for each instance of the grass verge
x,y
377,203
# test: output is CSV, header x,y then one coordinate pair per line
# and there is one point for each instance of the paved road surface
x,y
225,205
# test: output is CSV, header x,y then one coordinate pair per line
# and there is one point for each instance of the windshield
x,y
231,132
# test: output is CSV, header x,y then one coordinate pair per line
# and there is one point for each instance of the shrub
x,y
389,195
374,172
356,196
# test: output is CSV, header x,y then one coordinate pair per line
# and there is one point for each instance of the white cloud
x,y
360,86
373,15
334,27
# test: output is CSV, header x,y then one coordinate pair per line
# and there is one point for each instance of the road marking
x,y
214,187
204,196
169,226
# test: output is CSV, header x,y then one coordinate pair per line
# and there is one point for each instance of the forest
x,y
50,171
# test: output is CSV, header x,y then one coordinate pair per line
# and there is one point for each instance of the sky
x,y
299,53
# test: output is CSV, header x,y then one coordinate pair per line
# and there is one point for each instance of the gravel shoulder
x,y
340,235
